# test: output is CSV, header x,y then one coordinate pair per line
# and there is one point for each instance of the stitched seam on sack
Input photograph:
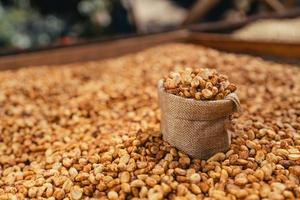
x,y
204,120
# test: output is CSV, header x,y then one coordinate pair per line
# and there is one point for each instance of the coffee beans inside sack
x,y
196,105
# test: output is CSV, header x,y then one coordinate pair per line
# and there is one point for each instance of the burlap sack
x,y
196,127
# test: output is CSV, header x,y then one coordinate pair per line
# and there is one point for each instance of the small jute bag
x,y
195,127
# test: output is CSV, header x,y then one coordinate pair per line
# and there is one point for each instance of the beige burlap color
x,y
195,127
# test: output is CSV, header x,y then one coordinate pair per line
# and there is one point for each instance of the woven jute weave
x,y
195,127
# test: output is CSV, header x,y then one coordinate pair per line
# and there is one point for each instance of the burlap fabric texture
x,y
195,127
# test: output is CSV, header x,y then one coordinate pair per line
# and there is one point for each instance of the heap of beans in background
x,y
91,131
199,83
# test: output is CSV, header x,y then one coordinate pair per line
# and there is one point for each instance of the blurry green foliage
x,y
23,26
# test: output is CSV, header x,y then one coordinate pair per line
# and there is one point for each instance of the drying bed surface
x,y
91,130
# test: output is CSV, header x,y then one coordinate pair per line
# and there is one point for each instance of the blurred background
x,y
27,24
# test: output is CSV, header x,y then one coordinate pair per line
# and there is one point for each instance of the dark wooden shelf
x,y
102,49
